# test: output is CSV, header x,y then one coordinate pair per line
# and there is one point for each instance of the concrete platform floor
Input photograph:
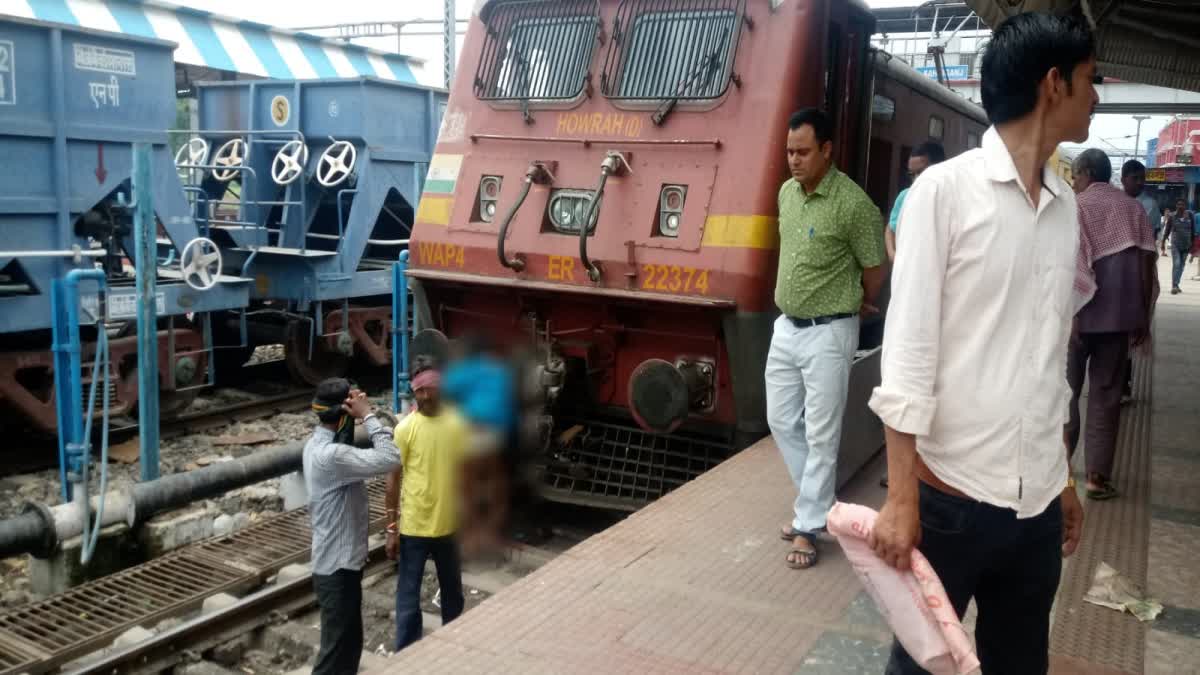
x,y
697,583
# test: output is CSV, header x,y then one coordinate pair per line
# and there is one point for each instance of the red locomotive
x,y
604,189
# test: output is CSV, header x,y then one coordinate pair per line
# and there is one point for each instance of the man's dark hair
x,y
932,150
421,364
329,397
1022,50
1131,167
1095,164
819,121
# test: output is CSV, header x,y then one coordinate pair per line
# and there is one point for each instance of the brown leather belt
x,y
926,476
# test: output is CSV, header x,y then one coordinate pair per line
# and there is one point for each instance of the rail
x,y
268,605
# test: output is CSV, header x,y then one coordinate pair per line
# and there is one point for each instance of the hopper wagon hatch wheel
x,y
336,163
325,362
195,151
232,155
289,162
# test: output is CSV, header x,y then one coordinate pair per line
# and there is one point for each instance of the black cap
x,y
329,397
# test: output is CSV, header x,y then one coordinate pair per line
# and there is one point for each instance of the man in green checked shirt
x,y
830,272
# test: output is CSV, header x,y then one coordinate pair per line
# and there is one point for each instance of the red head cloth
x,y
427,378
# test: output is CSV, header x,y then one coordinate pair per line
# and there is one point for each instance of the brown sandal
x,y
801,559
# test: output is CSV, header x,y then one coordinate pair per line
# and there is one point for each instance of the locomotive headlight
x,y
670,209
568,209
489,194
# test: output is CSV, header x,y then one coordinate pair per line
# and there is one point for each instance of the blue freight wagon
x,y
313,199
73,104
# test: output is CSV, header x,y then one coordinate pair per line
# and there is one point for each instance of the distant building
x,y
1177,143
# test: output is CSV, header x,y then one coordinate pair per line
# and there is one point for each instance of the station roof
x,y
1148,41
218,42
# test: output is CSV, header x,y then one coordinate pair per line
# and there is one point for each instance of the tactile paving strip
x,y
1116,532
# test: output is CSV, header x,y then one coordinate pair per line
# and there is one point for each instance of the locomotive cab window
x,y
668,51
537,51
937,127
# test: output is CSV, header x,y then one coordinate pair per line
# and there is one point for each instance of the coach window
x,y
664,52
937,127
972,140
537,51
883,109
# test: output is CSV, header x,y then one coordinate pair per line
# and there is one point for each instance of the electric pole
x,y
1137,142
451,40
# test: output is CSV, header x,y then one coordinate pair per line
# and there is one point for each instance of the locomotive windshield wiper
x,y
707,67
522,76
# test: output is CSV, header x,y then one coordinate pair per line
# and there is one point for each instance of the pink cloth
x,y
1110,221
913,602
427,378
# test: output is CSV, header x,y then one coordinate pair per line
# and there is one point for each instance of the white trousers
x,y
808,374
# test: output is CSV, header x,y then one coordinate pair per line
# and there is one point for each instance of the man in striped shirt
x,y
334,472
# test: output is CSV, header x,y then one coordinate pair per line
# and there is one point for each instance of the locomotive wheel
x,y
325,363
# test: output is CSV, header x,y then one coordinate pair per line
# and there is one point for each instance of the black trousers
x,y
1010,567
339,596
410,570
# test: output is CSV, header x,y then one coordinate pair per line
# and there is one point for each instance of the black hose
x,y
31,532
516,264
34,530
592,270
181,489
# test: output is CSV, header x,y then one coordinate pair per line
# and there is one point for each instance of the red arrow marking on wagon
x,y
101,173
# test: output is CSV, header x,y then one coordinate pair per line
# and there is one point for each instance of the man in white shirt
x,y
974,392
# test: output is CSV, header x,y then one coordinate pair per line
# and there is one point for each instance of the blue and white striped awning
x,y
216,41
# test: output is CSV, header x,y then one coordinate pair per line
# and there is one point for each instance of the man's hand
x,y
357,405
1140,334
392,547
867,309
1072,512
897,532
1076,341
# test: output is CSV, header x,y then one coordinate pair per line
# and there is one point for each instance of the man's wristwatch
x,y
368,416
1071,482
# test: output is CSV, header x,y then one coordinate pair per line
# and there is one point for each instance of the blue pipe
x,y
400,332
92,535
147,311
64,306
74,433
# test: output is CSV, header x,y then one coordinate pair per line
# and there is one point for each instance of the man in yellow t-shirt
x,y
431,441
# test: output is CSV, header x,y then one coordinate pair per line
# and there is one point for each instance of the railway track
x,y
186,642
256,401
73,631
50,634
291,400
41,454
